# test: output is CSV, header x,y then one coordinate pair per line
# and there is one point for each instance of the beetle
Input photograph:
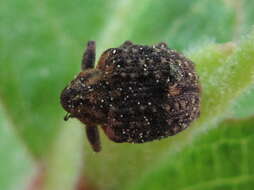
x,y
136,93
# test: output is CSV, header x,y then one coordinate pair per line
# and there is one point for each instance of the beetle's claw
x,y
67,117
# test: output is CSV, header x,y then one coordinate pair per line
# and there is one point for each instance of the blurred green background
x,y
41,44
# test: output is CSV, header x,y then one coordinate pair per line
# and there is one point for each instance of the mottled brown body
x,y
136,93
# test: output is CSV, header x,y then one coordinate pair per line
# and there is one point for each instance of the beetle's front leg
x,y
88,60
93,137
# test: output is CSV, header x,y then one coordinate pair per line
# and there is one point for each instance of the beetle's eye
x,y
68,94
67,97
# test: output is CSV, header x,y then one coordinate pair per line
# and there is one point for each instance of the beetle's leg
x,y
88,60
162,45
126,44
111,135
93,137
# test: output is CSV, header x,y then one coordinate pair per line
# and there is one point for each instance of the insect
x,y
136,93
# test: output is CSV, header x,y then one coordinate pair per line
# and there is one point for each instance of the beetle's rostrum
x,y
136,93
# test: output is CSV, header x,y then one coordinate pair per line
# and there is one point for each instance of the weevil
x,y
136,93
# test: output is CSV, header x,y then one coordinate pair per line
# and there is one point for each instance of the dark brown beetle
x,y
136,93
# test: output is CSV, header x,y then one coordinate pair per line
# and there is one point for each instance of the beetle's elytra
x,y
136,93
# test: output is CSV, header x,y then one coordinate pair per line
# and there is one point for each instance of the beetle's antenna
x,y
93,137
67,117
88,60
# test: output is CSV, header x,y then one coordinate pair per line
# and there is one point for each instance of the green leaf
x,y
179,23
64,163
229,80
220,159
245,105
16,165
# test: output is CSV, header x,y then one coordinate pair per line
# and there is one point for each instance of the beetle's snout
x,y
67,98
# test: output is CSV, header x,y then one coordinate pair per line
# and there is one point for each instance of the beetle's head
x,y
80,94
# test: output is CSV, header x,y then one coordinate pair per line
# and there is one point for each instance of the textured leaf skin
x,y
220,159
